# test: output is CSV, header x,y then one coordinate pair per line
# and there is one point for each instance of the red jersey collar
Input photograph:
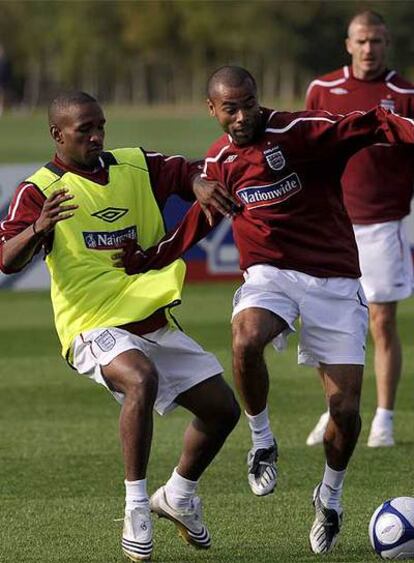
x,y
380,78
99,175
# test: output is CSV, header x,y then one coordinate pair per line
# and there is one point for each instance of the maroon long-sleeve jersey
x,y
377,181
288,182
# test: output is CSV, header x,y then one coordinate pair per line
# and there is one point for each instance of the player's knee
x,y
142,384
344,411
247,341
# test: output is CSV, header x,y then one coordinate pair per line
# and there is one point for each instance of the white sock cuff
x,y
181,484
384,412
258,421
138,487
333,479
136,492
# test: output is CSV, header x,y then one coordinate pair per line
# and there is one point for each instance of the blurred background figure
x,y
378,187
4,78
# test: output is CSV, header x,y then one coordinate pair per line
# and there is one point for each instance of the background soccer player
x,y
113,327
298,251
378,186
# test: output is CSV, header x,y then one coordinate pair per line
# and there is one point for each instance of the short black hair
x,y
66,99
233,76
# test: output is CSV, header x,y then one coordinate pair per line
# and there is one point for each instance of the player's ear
x,y
348,46
211,109
55,133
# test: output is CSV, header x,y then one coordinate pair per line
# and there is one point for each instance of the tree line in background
x,y
158,51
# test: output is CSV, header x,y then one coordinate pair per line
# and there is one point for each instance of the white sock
x,y
383,418
262,436
179,490
331,488
136,493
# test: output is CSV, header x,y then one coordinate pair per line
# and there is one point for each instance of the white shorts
x,y
333,312
181,363
385,260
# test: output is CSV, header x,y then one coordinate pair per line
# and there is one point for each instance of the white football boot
x,y
189,522
326,526
137,535
381,437
317,434
262,471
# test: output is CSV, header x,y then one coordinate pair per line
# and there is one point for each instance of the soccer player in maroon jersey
x,y
142,361
299,257
378,187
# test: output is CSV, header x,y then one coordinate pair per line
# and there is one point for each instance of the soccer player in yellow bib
x,y
115,328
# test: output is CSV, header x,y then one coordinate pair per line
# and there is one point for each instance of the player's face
x,y
238,111
367,45
80,134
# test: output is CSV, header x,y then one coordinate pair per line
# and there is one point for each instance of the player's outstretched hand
x,y
131,258
214,196
54,210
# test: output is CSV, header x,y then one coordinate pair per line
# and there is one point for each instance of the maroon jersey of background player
x,y
288,181
377,181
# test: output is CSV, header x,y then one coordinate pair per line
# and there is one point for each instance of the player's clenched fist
x,y
53,211
131,257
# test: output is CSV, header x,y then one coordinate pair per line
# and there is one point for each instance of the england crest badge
x,y
388,103
275,158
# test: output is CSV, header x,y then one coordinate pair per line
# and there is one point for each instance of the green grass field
x,y
25,138
61,478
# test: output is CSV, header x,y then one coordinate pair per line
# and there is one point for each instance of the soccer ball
x,y
391,529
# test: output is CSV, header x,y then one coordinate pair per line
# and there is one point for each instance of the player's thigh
x,y
210,398
385,261
334,322
383,317
131,369
112,357
256,327
263,307
181,364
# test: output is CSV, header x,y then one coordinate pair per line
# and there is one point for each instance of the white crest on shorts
x,y
275,158
106,341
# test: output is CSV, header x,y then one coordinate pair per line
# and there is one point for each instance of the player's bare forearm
x,y
20,249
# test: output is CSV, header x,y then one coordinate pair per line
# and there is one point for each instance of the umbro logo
x,y
110,214
338,91
230,158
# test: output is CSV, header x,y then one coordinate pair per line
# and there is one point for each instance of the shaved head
x,y
59,106
231,77
366,18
